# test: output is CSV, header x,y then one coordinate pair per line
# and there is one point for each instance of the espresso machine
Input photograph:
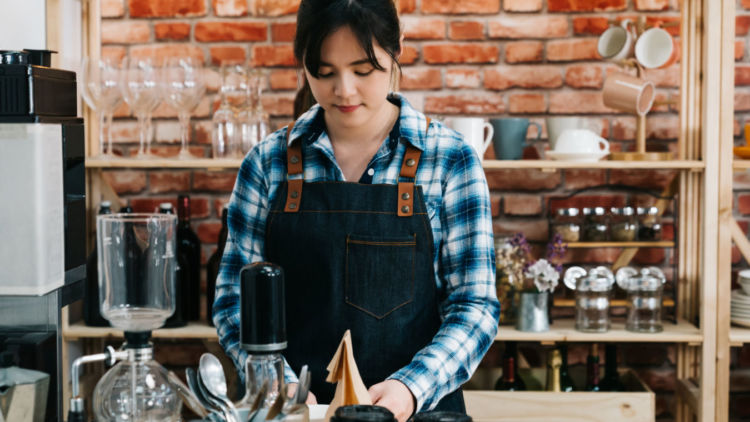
x,y
42,220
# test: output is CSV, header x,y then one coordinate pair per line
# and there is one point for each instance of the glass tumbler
x,y
645,289
593,290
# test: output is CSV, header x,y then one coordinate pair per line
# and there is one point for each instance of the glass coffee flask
x,y
593,289
645,288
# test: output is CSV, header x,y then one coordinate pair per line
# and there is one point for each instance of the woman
x,y
380,218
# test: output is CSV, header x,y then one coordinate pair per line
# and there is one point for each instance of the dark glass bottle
x,y
611,380
510,381
212,267
566,382
592,369
178,318
91,311
189,246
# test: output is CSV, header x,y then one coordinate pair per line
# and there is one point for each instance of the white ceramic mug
x,y
655,49
473,131
556,126
581,141
616,43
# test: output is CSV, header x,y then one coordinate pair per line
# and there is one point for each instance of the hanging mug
x,y
628,93
655,48
616,43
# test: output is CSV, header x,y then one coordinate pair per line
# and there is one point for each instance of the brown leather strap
x,y
409,170
294,167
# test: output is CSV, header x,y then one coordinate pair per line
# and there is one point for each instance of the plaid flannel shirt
x,y
458,204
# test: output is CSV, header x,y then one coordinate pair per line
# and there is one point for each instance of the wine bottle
x,y
178,318
554,362
91,310
592,369
566,382
189,246
611,380
510,381
212,267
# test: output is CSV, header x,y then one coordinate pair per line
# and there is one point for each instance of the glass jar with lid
x,y
649,223
623,224
567,224
593,289
595,227
645,288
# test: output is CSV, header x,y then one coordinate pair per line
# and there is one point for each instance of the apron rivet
x,y
405,196
294,159
405,209
410,162
294,194
292,206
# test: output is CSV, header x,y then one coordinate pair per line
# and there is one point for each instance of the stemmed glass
x,y
101,90
184,86
254,121
141,92
233,94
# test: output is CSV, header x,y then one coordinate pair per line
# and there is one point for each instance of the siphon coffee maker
x,y
136,257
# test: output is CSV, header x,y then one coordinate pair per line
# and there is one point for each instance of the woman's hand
x,y
394,396
291,388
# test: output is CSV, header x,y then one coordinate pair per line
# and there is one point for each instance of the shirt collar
x,y
411,123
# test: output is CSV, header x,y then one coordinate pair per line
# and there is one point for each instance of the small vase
x,y
532,312
508,296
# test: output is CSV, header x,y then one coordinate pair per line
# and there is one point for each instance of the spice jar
x,y
567,224
624,225
595,227
593,289
645,288
649,223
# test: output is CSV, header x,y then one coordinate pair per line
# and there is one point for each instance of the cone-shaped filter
x,y
262,308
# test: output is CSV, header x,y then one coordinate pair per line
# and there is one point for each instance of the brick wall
x,y
489,58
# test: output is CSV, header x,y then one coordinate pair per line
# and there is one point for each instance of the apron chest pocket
x,y
379,273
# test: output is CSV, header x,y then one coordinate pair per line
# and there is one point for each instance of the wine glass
x,y
253,120
233,94
141,92
101,90
184,86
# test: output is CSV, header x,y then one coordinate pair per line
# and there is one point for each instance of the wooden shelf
x,y
604,164
739,336
740,164
582,245
198,163
667,302
194,330
563,330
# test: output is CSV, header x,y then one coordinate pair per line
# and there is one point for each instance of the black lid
x,y
441,417
40,57
137,339
14,57
364,413
262,308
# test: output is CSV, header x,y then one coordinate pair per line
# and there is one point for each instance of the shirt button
x,y
370,172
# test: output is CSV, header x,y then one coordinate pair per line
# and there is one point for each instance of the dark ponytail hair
x,y
368,20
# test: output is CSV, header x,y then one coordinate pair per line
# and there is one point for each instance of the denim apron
x,y
356,257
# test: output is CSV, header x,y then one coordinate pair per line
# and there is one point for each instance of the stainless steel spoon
x,y
212,376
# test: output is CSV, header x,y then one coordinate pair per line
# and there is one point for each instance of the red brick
x,y
741,75
741,101
649,179
279,104
113,8
466,30
464,104
578,179
462,78
584,76
421,78
168,50
661,19
504,77
113,53
522,5
172,151
663,127
536,230
166,8
423,28
651,5
229,7
594,255
219,205
623,128
527,103
570,102
175,31
664,78
208,232
283,31
524,51
456,7
649,256
522,180
273,55
169,181
274,7
125,32
281,79
739,49
570,50
230,31
590,25
522,205
227,54
125,181
529,27
742,25
202,110
460,53
746,4
409,55
214,181
586,5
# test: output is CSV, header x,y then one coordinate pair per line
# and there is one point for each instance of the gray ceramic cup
x,y
510,136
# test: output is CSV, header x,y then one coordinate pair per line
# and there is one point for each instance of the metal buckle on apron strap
x,y
294,167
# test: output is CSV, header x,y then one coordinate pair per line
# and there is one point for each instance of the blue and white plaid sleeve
x,y
246,220
470,310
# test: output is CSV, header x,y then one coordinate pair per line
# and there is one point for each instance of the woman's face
x,y
348,87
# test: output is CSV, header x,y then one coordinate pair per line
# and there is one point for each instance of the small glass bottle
x,y
595,227
649,224
592,369
567,224
624,225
